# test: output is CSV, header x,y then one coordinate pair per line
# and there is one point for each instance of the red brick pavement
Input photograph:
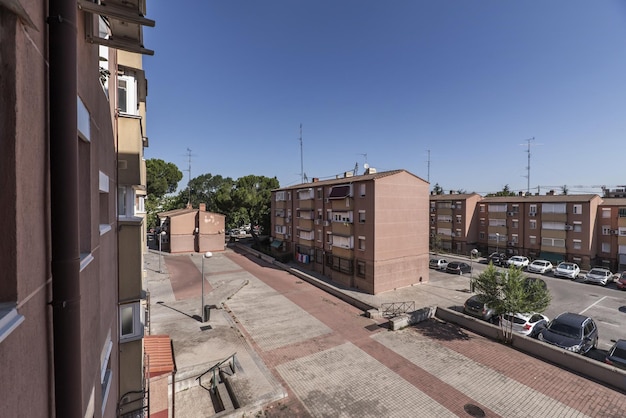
x,y
348,324
185,278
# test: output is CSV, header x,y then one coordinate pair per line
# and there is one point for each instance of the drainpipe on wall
x,y
62,58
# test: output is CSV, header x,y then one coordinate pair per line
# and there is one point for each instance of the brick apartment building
x,y
368,232
73,123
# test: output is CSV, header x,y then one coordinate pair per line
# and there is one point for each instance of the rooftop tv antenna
x,y
189,171
301,157
428,174
528,166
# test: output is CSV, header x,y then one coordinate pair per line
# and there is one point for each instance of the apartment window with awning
x,y
339,192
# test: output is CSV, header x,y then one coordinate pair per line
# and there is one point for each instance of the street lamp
x,y
205,318
497,243
473,254
161,234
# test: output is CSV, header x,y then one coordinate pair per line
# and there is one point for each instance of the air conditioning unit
x,y
327,200
510,213
288,218
532,214
512,243
433,209
287,236
317,222
569,227
615,231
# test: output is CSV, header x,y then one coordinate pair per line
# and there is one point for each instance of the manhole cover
x,y
474,410
206,328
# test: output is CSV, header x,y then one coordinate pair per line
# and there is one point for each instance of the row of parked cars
x,y
597,275
571,331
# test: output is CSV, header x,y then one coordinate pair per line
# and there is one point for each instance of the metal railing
x,y
215,369
394,308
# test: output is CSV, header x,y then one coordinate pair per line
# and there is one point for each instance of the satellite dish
x,y
366,166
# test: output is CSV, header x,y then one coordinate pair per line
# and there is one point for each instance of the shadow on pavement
x,y
443,331
196,317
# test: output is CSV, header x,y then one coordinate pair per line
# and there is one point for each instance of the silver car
x,y
569,270
599,276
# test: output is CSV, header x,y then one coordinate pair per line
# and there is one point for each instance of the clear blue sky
x,y
469,80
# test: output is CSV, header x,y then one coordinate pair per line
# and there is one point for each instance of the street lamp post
x,y
497,243
160,239
473,254
208,254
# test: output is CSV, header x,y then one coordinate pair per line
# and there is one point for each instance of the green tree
x,y
437,189
212,190
161,177
254,195
504,192
511,292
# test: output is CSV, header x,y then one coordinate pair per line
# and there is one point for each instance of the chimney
x,y
348,174
202,207
550,193
316,179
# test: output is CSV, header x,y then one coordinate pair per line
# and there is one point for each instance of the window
x,y
127,95
606,230
444,218
360,268
305,194
280,196
362,243
125,202
497,207
482,208
319,235
606,213
577,244
482,221
554,226
458,233
131,322
622,212
532,210
481,235
533,224
361,216
514,238
606,247
319,214
577,209
497,222
578,227
105,371
515,224
554,208
320,194
362,190
458,219
553,242
532,240
515,209
343,242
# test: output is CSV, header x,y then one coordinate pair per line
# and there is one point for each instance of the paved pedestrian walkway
x,y
304,352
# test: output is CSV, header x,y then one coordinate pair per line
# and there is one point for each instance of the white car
x,y
525,323
569,270
518,261
540,266
599,276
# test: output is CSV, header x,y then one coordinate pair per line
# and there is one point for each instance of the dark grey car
x,y
616,356
474,306
571,331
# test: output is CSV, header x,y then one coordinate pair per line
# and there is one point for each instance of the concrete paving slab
x,y
346,382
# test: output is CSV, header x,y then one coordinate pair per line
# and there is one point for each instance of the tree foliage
x,y
510,291
437,189
254,194
161,177
506,191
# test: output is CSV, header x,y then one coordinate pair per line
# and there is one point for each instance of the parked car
x,y
475,307
497,259
616,356
571,331
569,270
540,266
518,261
458,267
621,281
599,275
529,324
438,263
